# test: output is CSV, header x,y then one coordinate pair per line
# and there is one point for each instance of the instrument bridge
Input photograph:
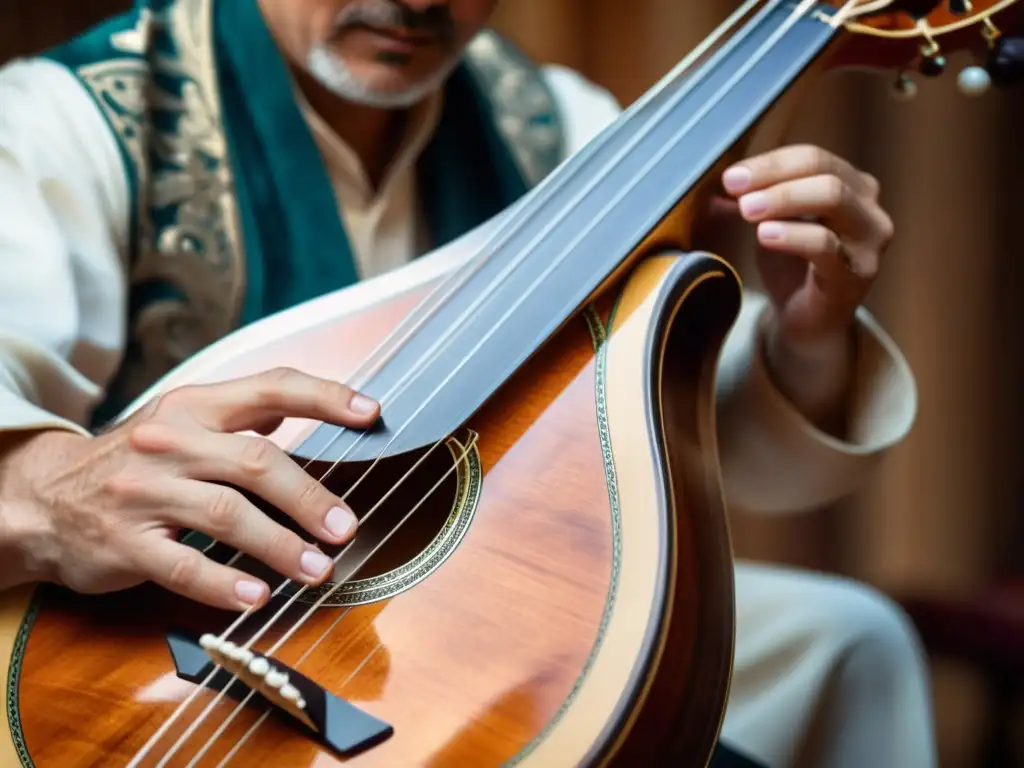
x,y
251,677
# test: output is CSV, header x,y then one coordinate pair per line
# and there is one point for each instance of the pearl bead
x,y
973,81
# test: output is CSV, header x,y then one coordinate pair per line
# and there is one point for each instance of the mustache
x,y
394,14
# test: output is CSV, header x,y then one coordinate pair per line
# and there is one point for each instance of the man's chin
x,y
373,83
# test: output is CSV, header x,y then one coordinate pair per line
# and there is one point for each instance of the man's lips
x,y
403,39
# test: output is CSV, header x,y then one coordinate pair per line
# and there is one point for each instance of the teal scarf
x,y
234,215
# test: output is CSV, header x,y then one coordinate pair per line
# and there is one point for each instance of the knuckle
x,y
781,198
272,382
154,437
834,191
257,456
125,487
311,496
284,549
871,183
886,228
222,513
774,165
867,266
828,241
823,160
281,375
175,400
810,159
184,573
332,392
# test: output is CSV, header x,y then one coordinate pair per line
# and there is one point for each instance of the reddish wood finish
x,y
469,665
863,49
473,663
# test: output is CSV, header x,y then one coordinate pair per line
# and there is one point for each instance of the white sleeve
x,y
64,229
585,108
773,459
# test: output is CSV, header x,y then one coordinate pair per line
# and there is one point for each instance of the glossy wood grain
x,y
491,652
535,565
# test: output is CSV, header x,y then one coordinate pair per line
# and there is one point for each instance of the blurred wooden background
x,y
943,515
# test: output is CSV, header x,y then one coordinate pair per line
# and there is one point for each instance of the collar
x,y
344,164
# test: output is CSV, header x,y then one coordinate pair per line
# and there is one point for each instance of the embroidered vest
x,y
233,214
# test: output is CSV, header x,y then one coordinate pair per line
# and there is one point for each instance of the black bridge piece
x,y
333,721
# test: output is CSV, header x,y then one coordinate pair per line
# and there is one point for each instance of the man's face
x,y
382,53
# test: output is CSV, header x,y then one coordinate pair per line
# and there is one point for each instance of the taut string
x,y
800,11
359,377
323,598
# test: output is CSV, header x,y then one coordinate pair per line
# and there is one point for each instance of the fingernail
x,y
314,563
754,204
770,230
736,179
362,404
249,592
339,522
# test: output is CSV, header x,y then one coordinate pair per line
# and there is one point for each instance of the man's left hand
x,y
822,234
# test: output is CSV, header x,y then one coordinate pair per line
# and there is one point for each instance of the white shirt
x,y
64,229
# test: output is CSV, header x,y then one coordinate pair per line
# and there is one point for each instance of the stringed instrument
x,y
543,573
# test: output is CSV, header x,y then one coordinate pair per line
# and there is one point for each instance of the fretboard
x,y
574,230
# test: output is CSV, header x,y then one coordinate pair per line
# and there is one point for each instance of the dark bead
x,y
958,7
933,66
1005,63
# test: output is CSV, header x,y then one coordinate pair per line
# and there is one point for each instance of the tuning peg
x,y
1005,63
933,63
904,89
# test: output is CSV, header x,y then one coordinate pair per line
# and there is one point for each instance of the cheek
x,y
318,23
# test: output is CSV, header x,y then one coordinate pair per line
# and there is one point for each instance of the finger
x,y
820,246
241,404
230,518
790,163
825,198
191,574
259,466
254,464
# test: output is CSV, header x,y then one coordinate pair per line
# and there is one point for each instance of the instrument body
x,y
597,555
565,597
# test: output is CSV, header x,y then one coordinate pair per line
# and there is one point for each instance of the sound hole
x,y
439,487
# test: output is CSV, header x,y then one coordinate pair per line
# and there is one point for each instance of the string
x,y
266,712
241,705
567,250
419,312
524,211
800,11
517,215
313,609
561,258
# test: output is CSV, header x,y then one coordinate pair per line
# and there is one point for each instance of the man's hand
x,y
821,234
102,514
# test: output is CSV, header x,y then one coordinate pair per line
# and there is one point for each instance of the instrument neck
x,y
576,230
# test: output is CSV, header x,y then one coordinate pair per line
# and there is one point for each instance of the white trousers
x,y
829,673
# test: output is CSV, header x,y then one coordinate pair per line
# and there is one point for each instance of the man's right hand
x,y
98,514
